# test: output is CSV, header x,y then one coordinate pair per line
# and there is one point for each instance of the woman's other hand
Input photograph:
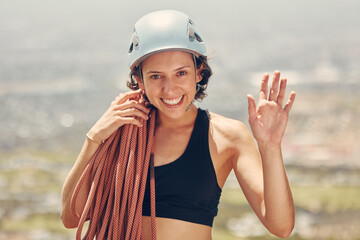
x,y
268,120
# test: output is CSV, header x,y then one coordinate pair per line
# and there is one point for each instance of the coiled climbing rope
x,y
118,172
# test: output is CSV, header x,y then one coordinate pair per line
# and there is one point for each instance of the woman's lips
x,y
172,101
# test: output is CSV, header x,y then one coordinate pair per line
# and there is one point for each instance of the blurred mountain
x,y
62,63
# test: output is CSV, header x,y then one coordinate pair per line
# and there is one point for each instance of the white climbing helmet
x,y
166,30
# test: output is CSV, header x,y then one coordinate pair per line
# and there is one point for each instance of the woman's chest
x,y
170,144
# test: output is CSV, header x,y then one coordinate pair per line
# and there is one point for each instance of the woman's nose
x,y
169,85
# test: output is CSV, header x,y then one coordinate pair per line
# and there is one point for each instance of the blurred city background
x,y
63,62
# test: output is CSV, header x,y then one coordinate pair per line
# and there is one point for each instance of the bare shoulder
x,y
233,130
230,142
231,145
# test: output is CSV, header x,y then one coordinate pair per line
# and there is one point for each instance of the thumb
x,y
251,107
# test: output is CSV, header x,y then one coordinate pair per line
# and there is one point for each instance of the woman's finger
x,y
130,120
274,86
290,101
264,87
251,107
132,104
281,96
123,97
131,112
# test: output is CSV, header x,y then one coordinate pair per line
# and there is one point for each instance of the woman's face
x,y
169,80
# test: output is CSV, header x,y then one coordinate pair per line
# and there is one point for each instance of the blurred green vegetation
x,y
328,199
317,199
31,184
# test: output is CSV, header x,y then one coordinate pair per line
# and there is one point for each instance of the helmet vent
x,y
134,42
198,38
192,32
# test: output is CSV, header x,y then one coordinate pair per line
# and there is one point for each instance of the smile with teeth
x,y
172,101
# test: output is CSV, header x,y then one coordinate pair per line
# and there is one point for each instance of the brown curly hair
x,y
201,86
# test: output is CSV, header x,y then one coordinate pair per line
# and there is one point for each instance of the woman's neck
x,y
187,118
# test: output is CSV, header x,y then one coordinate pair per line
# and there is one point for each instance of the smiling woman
x,y
194,150
169,80
198,61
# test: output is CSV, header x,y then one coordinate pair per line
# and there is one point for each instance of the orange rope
x,y
118,172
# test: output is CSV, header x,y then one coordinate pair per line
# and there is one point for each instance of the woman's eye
x,y
155,76
181,73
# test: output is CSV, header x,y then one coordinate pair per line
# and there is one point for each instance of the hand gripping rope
x,y
118,172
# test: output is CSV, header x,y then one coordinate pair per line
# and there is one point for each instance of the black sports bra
x,y
187,188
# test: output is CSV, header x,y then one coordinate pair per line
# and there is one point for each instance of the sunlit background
x,y
62,63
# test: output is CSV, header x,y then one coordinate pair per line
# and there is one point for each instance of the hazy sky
x,y
245,35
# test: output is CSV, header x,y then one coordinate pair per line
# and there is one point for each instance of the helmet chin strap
x,y
188,107
142,79
194,59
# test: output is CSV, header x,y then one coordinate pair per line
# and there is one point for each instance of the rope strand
x,y
118,172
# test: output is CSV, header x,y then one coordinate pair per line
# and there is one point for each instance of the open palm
x,y
268,120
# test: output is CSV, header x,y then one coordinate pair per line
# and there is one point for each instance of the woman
x,y
194,150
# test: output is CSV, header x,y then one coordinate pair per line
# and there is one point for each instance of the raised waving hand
x,y
269,118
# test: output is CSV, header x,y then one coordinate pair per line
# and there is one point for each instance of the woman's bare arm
x,y
260,169
123,110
